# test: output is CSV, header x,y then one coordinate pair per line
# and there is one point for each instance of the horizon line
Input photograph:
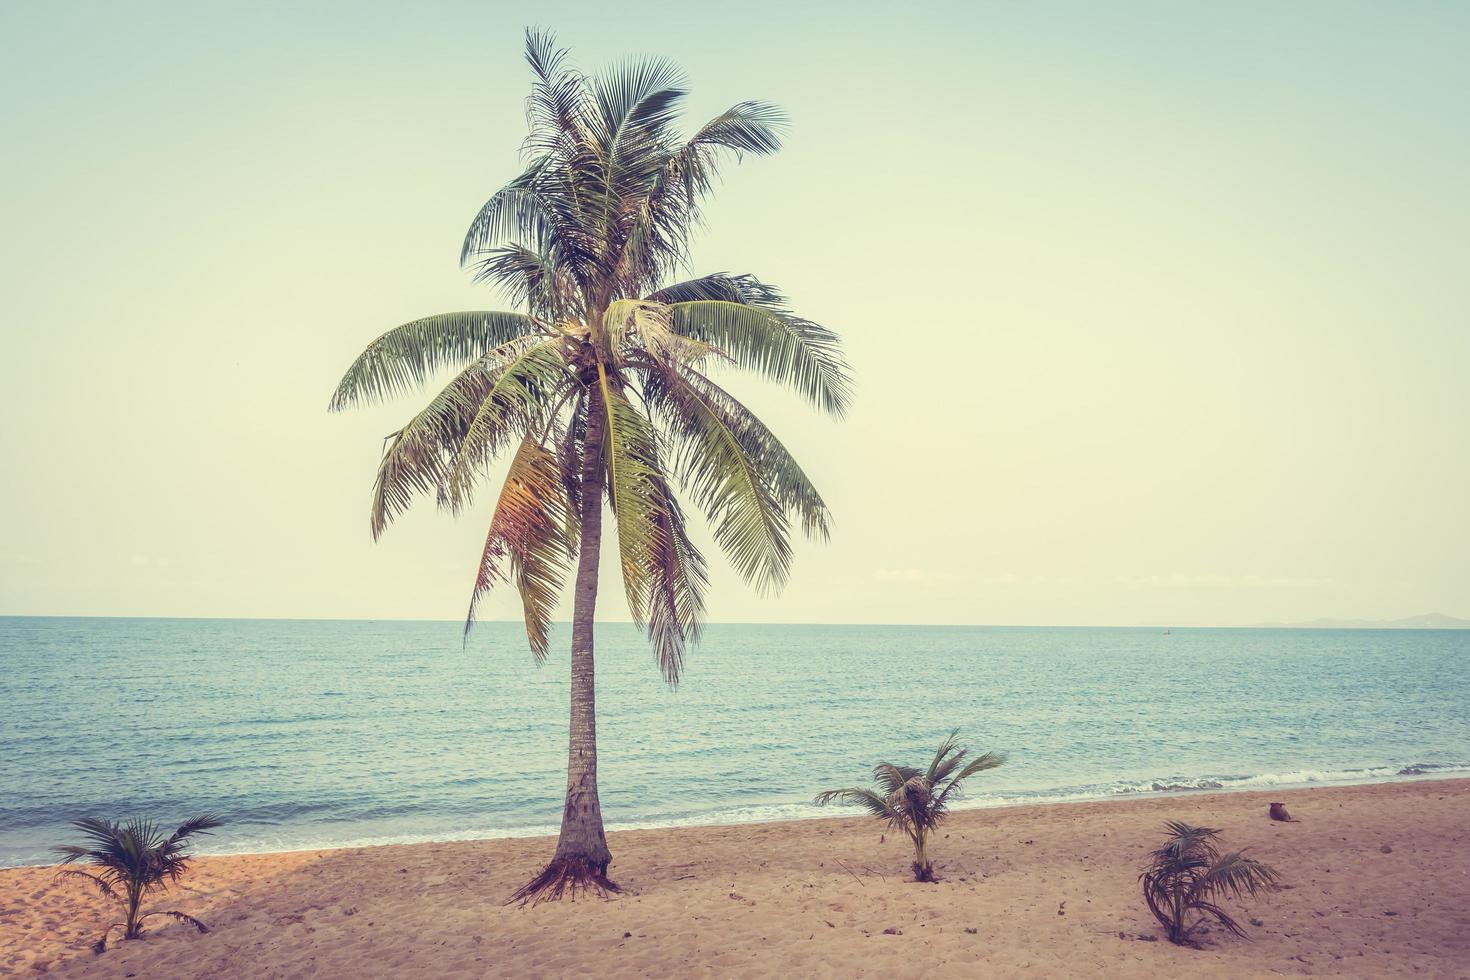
x,y
1310,624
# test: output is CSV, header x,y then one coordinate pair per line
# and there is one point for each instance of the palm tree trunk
x,y
582,857
581,821
135,899
923,870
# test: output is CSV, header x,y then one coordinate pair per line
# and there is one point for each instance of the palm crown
x,y
606,375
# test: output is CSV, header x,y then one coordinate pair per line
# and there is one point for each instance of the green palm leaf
x,y
663,573
726,480
786,349
526,390
530,532
407,356
875,804
418,458
789,483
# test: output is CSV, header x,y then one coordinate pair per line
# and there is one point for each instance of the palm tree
x,y
603,386
916,801
132,860
1188,875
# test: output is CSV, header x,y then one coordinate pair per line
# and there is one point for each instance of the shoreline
x,y
700,821
1377,876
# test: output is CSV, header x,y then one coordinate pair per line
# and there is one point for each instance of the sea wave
x,y
779,811
262,832
1289,779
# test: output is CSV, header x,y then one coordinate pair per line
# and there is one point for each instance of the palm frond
x,y
177,917
1240,876
522,211
636,100
418,458
726,288
640,328
529,530
955,786
201,824
746,127
786,349
691,170
558,103
892,778
1184,841
664,574
676,586
683,395
523,391
876,805
730,475
407,356
529,278
104,888
944,760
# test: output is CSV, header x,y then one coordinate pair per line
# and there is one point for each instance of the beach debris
x,y
972,930
1278,812
1187,876
129,861
893,931
915,801
1062,909
1385,849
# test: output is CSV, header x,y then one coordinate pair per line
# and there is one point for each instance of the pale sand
x,y
1048,891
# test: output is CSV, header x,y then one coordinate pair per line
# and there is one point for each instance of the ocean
x,y
310,734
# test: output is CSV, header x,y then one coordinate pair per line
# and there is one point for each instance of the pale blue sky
x,y
1158,310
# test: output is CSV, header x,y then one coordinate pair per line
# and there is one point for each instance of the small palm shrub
x,y
1186,878
129,861
915,801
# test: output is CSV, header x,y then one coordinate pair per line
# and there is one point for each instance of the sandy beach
x,y
1378,884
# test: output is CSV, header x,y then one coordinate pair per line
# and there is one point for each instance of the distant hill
x,y
1437,621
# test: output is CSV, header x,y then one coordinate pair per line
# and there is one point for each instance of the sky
x,y
1157,311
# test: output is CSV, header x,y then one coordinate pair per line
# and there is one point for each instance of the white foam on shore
x,y
769,812
764,813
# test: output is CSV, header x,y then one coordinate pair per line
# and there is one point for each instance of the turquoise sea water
x,y
313,733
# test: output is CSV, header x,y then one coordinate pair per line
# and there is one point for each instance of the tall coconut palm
x,y
602,386
916,801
